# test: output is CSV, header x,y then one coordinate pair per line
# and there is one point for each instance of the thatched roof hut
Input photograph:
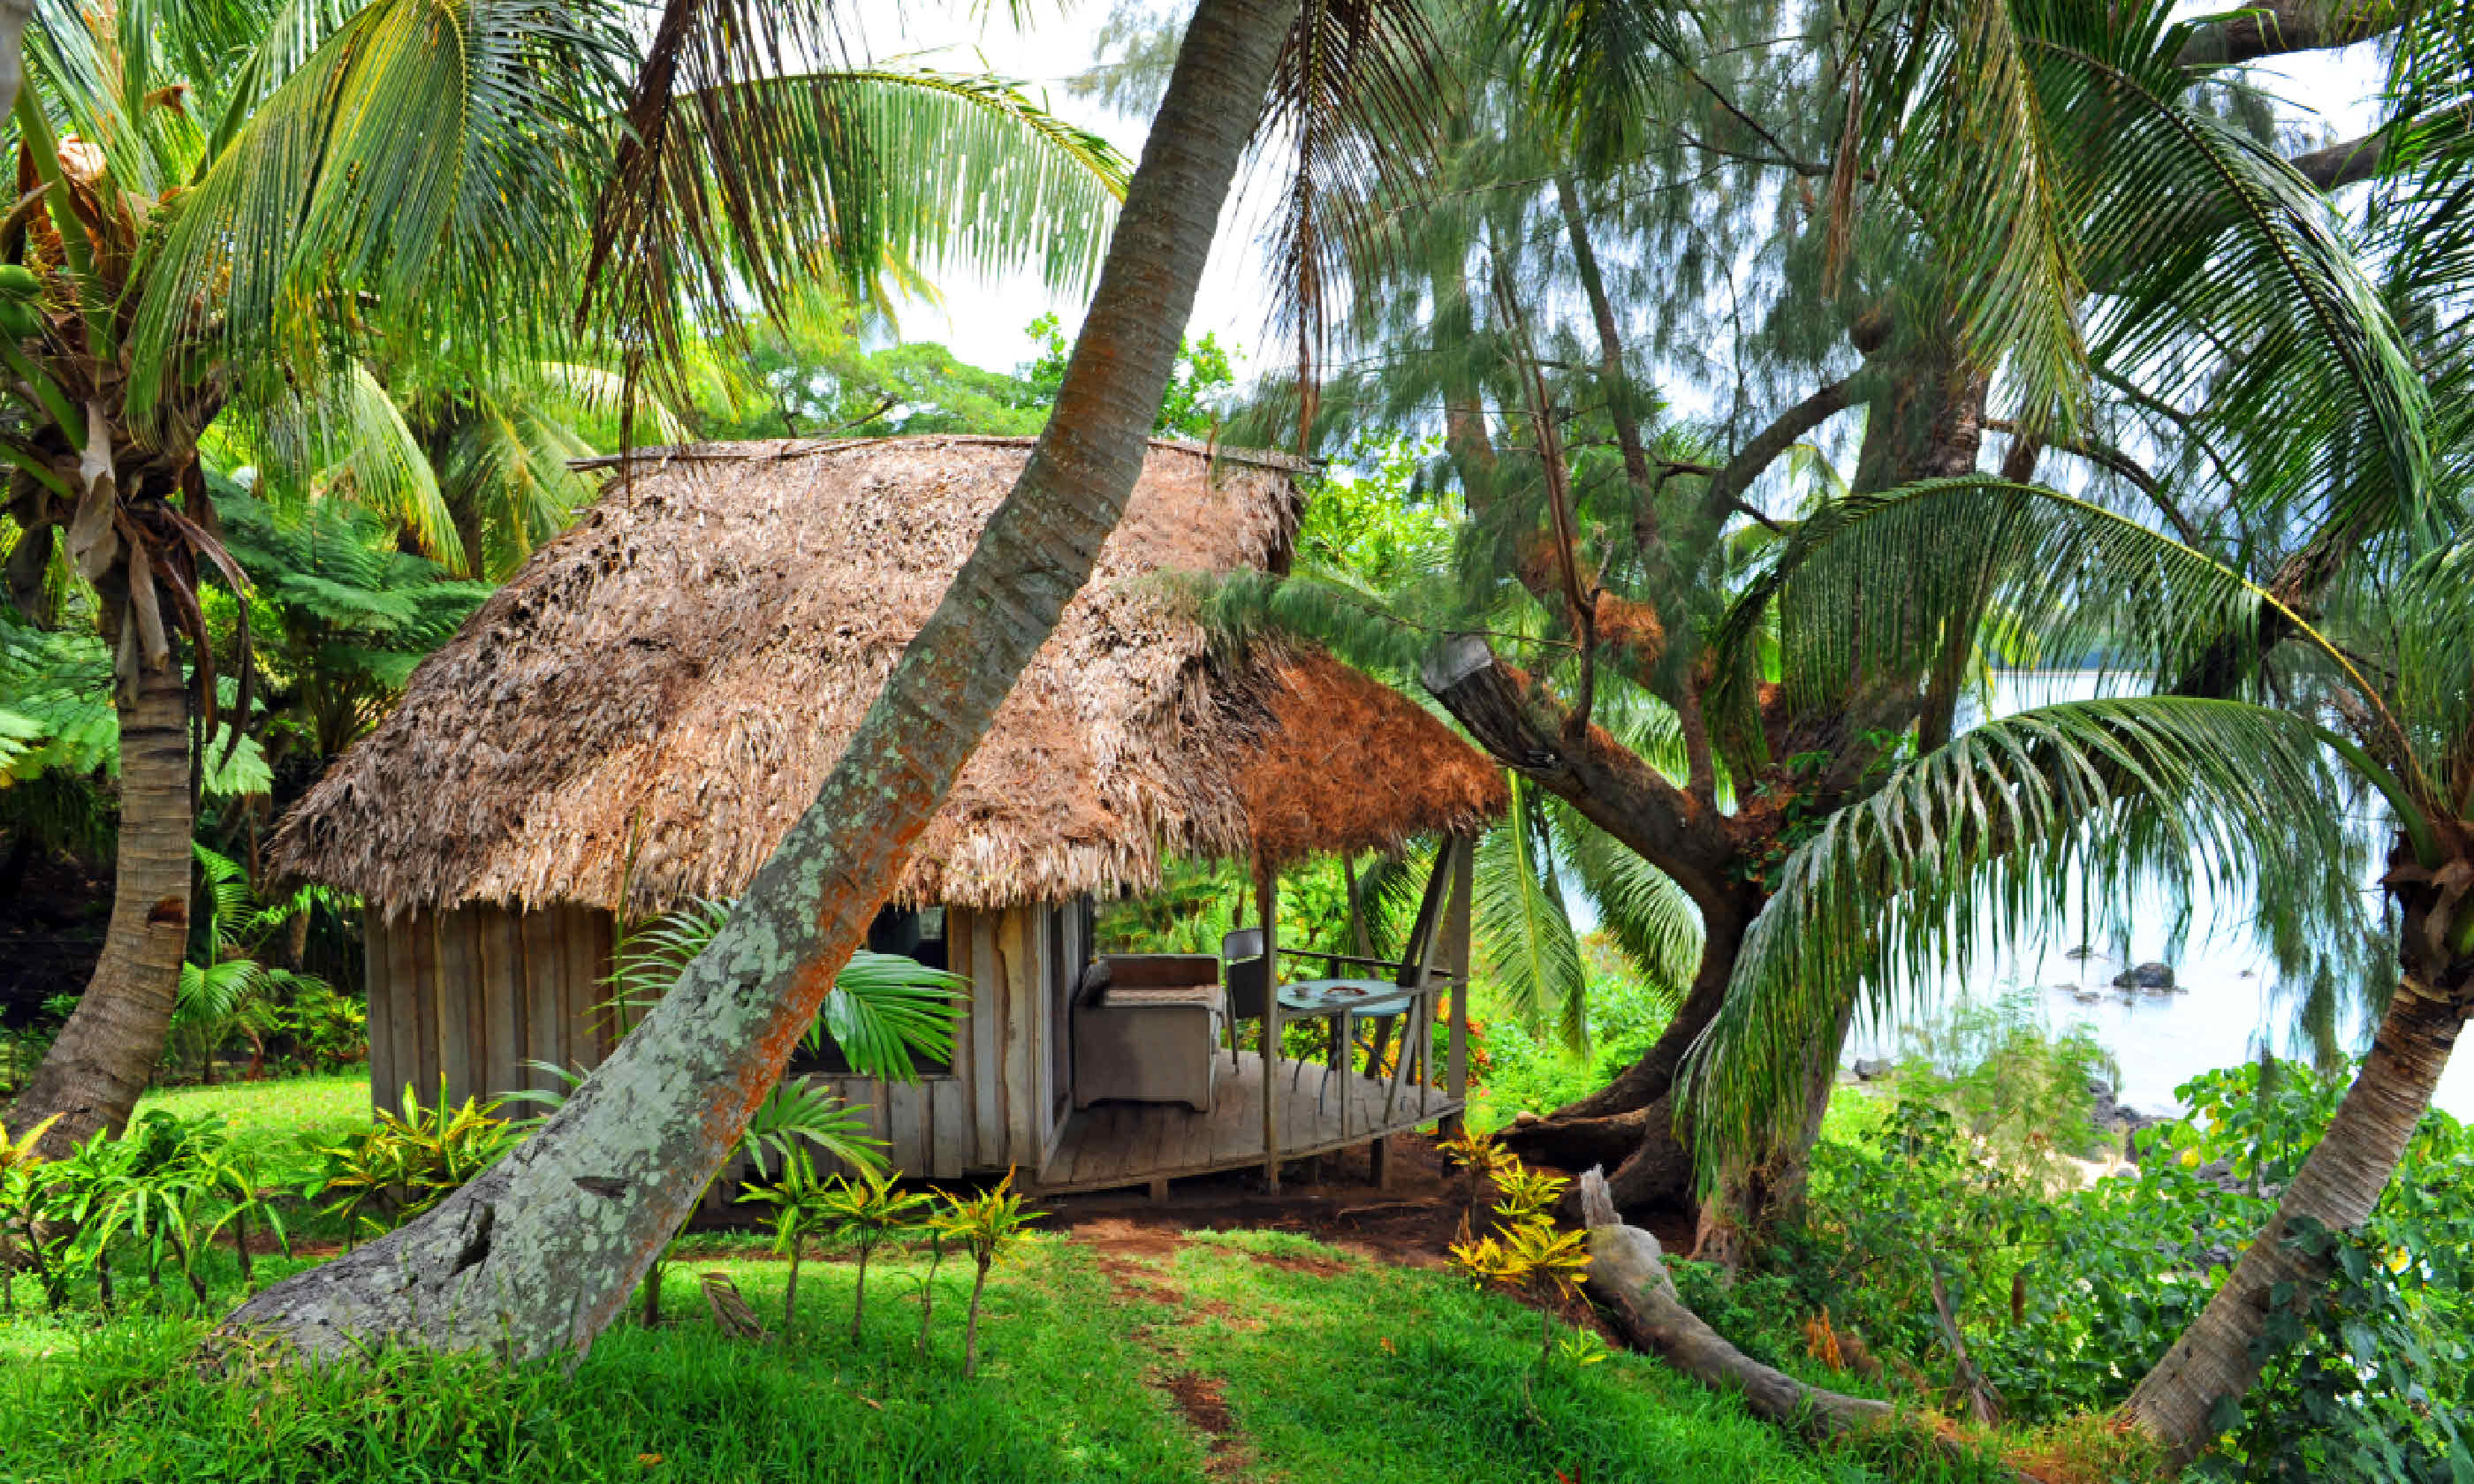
x,y
659,693
648,707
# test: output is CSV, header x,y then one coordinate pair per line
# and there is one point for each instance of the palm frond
x,y
744,173
426,156
1532,955
1639,906
2023,825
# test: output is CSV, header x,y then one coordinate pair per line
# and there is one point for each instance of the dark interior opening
x,y
913,932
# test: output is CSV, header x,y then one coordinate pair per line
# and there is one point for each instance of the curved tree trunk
x,y
105,1056
1629,1124
539,1253
2218,1358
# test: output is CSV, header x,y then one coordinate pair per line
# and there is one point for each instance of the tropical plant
x,y
20,1226
800,1212
1966,235
407,1161
866,1213
985,1225
295,201
1528,1254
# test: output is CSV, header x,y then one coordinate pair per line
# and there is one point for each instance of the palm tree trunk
x,y
2218,1358
536,1256
107,1052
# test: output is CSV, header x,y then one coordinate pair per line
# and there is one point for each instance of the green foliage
x,y
882,1011
2066,1298
1193,404
1524,1072
2010,1080
339,614
986,1225
815,376
406,1161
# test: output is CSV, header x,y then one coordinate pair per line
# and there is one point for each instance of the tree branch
x,y
1524,728
1764,450
2113,461
2340,165
2277,27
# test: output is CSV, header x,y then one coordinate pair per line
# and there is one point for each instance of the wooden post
x,y
1456,960
1267,907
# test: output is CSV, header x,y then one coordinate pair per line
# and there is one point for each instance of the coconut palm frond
x,y
1639,906
2050,817
425,155
1533,957
744,171
2085,581
1353,99
883,1010
605,392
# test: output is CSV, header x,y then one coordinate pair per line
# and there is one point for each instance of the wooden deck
x,y
1132,1143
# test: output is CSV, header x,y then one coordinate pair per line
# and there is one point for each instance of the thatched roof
x,y
672,680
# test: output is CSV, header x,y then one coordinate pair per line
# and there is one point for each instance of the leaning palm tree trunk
x,y
538,1254
2218,1357
94,1072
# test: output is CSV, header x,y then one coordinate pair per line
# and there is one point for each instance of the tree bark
x,y
1628,1274
107,1051
2218,1358
538,1254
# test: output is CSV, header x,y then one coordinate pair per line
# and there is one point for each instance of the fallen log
x,y
1628,1275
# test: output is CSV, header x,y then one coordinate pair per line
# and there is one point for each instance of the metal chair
x,y
1245,971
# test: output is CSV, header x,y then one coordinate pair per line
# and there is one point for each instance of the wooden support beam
x,y
1456,961
1267,907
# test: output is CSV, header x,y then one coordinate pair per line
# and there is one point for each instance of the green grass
x,y
269,1117
1328,1367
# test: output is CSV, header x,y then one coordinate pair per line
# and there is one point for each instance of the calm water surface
x,y
2233,1006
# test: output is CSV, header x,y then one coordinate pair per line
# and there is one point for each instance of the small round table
x,y
1344,1002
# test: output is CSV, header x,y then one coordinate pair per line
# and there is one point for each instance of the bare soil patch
x,y
1333,1199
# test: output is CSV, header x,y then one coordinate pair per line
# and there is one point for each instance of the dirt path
x,y
1134,1258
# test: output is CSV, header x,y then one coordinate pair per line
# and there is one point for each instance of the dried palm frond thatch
x,y
656,696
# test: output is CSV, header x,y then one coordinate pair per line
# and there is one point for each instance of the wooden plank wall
x,y
475,992
997,1108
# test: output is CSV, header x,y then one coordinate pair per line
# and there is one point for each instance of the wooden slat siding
x,y
381,1007
404,990
420,931
1040,1031
545,1037
457,1054
988,1040
948,1127
906,1121
502,985
1020,948
583,961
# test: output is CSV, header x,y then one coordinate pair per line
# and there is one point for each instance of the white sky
x,y
983,322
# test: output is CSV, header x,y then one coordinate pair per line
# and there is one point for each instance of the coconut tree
x,y
243,208
1607,540
539,1253
2053,816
